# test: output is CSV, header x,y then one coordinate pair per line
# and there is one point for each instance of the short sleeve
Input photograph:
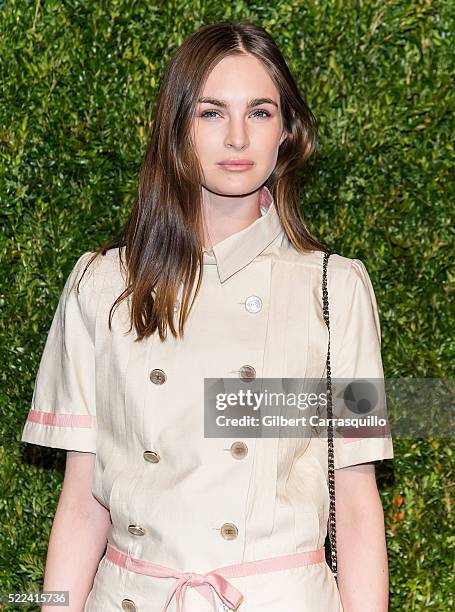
x,y
359,357
63,412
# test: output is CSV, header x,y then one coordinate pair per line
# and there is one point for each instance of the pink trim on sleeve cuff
x,y
377,431
60,420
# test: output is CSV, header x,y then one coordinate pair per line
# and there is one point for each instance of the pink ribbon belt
x,y
214,580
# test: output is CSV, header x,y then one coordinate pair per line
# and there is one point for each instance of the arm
x,y
78,536
361,548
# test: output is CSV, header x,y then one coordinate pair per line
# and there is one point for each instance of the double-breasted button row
x,y
229,531
157,376
239,450
128,605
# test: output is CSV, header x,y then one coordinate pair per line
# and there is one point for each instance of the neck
x,y
226,215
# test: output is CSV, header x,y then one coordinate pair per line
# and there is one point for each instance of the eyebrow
x,y
251,103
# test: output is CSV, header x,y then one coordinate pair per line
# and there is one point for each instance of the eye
x,y
267,114
206,113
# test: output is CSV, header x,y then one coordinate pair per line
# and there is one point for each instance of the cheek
x,y
206,142
268,138
267,145
271,160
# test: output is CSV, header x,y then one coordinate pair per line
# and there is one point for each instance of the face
x,y
239,119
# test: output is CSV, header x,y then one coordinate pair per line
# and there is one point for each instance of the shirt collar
x,y
238,250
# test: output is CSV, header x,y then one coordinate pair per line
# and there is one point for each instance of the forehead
x,y
237,77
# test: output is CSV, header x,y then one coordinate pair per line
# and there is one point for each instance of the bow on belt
x,y
205,584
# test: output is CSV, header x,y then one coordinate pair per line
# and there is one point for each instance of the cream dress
x,y
139,407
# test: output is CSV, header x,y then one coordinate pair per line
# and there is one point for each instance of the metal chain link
x,y
331,467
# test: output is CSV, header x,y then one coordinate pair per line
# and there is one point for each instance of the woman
x,y
218,197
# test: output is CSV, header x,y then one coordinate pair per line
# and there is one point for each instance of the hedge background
x,y
79,81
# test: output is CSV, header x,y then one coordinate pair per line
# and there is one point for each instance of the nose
x,y
237,133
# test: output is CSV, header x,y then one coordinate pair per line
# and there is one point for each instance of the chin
x,y
235,186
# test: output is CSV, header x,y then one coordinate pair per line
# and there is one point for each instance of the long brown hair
x,y
163,234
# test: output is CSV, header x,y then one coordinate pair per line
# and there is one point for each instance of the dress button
x,y
158,377
229,531
151,456
128,605
136,530
239,450
247,372
253,303
224,608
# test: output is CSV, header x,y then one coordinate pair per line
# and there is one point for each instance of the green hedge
x,y
79,81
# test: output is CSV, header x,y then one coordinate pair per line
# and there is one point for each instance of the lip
x,y
236,162
236,165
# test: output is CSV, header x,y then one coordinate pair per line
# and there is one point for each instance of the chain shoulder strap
x,y
331,463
